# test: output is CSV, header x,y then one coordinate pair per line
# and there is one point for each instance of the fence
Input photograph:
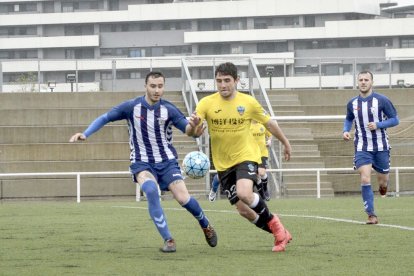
x,y
278,71
137,195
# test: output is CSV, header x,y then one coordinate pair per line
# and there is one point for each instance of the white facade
x,y
311,43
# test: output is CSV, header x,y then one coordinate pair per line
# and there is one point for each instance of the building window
x,y
4,31
307,70
106,52
309,20
21,78
123,75
177,50
31,53
70,6
88,5
69,53
79,53
135,75
272,47
407,67
86,76
373,67
262,23
113,5
157,52
291,21
214,49
407,42
236,49
6,55
107,75
134,52
79,30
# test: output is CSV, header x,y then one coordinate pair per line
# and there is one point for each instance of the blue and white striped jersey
x,y
374,108
149,128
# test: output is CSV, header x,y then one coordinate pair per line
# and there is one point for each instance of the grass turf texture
x,y
118,238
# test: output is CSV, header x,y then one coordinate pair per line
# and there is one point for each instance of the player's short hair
x,y
366,72
155,75
227,68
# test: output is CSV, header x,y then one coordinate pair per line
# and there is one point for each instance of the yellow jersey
x,y
261,134
229,122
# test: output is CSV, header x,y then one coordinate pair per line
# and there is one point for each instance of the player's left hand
x,y
197,127
372,126
268,142
194,120
199,130
287,151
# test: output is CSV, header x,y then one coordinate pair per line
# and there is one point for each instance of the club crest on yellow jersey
x,y
241,110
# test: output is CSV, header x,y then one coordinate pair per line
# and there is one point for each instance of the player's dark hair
x,y
155,75
227,68
367,72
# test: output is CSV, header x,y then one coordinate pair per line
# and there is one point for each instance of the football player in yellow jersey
x,y
236,154
264,139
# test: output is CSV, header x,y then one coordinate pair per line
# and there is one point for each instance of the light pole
x,y
242,84
51,85
269,72
201,85
71,78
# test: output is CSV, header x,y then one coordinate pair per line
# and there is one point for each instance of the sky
x,y
405,2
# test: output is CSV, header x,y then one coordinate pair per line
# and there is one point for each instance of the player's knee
x,y
382,181
365,179
244,196
150,188
182,199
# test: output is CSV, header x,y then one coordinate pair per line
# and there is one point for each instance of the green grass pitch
x,y
118,238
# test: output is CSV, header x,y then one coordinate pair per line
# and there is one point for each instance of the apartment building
x,y
94,43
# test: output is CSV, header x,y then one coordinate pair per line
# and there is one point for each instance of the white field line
x,y
284,215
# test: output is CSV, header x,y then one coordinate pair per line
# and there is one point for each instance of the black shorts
x,y
265,163
228,178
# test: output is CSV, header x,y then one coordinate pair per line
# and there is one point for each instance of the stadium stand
x,y
319,144
35,128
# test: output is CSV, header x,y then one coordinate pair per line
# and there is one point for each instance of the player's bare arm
x,y
276,131
77,137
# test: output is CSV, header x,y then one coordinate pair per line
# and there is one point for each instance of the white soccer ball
x,y
196,164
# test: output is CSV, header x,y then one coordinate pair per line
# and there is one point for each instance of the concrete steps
x,y
34,133
327,139
304,155
61,134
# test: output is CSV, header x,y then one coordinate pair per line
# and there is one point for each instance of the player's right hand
x,y
346,136
77,137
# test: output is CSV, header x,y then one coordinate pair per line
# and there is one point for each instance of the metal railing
x,y
127,74
317,171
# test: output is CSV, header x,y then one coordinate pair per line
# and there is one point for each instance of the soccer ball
x,y
196,164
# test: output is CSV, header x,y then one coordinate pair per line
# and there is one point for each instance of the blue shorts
x,y
380,160
165,172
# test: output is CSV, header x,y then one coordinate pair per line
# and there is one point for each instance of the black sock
x,y
264,184
262,224
262,210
